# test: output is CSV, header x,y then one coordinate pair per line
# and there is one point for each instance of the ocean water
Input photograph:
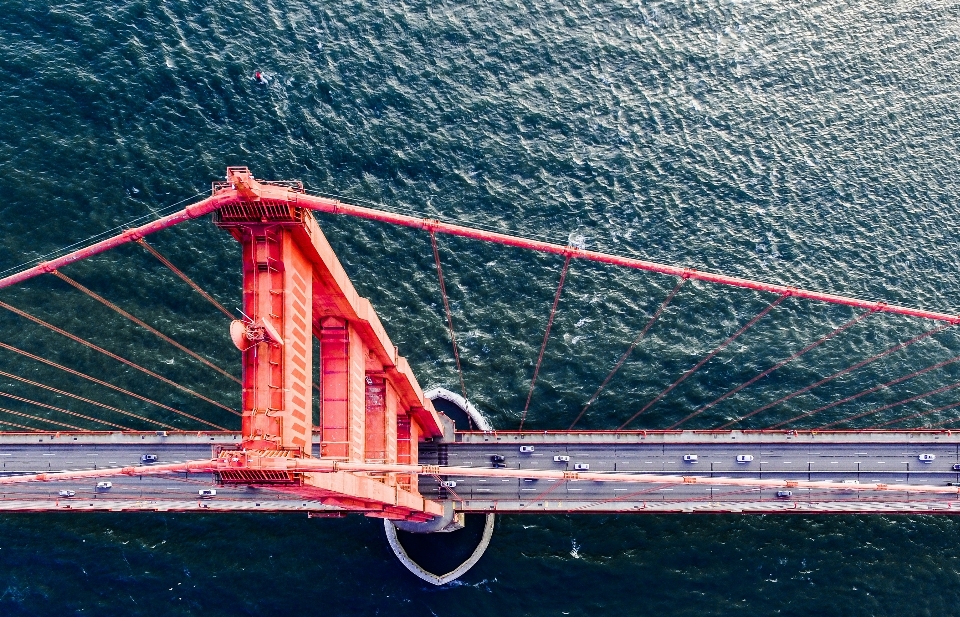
x,y
813,144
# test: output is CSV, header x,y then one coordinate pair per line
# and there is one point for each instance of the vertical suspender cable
x,y
934,425
446,307
849,369
107,385
185,278
708,357
133,365
918,415
141,323
854,397
85,400
546,336
809,347
66,411
626,354
910,399
39,419
28,428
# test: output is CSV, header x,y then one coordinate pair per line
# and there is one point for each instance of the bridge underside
x,y
868,458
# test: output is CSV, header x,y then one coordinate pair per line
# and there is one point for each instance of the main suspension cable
x,y
39,419
853,397
85,400
626,354
546,336
849,369
916,397
708,357
63,277
186,279
809,347
116,357
108,232
61,410
446,307
108,385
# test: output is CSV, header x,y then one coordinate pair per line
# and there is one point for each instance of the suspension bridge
x,y
382,447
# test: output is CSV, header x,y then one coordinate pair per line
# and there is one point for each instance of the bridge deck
x,y
891,458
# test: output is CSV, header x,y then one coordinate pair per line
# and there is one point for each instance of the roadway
x,y
887,458
832,457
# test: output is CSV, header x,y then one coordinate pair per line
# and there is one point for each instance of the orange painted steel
x,y
193,211
372,409
333,206
280,241
233,197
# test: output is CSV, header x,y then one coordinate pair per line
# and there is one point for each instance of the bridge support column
x,y
277,348
371,406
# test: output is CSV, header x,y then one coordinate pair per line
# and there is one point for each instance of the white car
x,y
102,486
448,484
744,458
581,466
560,458
207,493
689,458
67,493
526,449
926,458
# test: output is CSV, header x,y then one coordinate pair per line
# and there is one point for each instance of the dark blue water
x,y
812,144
